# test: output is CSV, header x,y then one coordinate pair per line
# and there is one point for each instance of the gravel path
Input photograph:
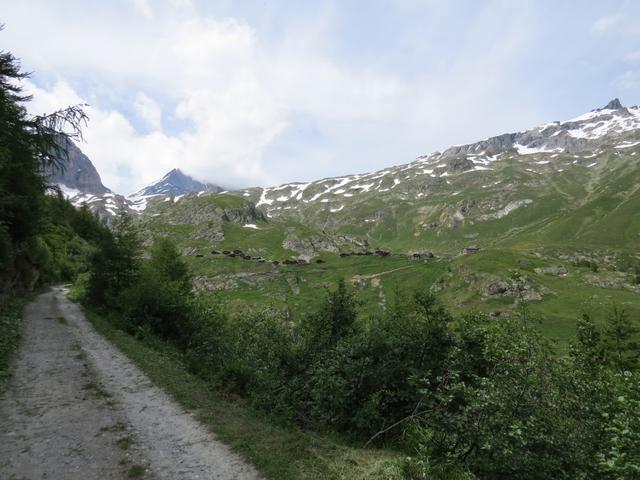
x,y
77,408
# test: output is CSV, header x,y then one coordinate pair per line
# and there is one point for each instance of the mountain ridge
x,y
572,136
541,205
79,181
551,147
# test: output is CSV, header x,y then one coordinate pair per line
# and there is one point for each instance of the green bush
x,y
619,457
257,356
115,264
377,375
206,350
509,408
161,306
157,295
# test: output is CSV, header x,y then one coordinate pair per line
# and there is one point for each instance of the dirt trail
x,y
375,276
77,408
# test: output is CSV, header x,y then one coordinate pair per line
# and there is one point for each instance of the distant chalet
x,y
469,250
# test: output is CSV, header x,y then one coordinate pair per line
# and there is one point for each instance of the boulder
x,y
556,270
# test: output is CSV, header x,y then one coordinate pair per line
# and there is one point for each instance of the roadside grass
x,y
125,442
279,452
116,427
11,315
136,471
96,390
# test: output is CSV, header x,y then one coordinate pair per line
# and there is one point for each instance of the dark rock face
x,y
177,183
76,171
459,164
490,146
614,105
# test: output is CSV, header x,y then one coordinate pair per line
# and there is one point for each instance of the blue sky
x,y
245,93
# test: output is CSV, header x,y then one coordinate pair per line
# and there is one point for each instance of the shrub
x,y
258,357
378,374
205,352
161,306
334,320
115,264
160,299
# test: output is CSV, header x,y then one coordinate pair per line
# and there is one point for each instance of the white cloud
x,y
46,100
629,80
215,97
633,57
148,111
213,150
143,7
606,23
228,114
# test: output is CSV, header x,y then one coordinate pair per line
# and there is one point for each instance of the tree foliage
x,y
28,145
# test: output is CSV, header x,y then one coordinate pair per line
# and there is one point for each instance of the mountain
x,y
75,173
77,178
482,192
496,190
79,181
176,183
552,147
550,215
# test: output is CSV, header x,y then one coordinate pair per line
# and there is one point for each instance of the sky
x,y
258,93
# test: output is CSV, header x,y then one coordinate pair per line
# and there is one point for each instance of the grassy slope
x,y
461,279
592,210
280,452
571,295
299,288
10,334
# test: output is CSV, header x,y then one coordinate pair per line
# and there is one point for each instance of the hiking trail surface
x,y
77,408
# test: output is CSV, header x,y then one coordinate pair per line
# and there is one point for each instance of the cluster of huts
x,y
379,253
240,254
300,261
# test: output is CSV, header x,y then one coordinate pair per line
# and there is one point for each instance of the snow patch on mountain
x,y
506,210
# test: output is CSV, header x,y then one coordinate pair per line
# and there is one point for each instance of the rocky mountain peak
x,y
614,105
175,183
176,173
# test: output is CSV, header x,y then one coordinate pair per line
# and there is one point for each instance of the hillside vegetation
x,y
459,395
553,214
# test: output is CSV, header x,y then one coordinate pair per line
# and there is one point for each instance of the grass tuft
x,y
10,334
136,471
125,442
